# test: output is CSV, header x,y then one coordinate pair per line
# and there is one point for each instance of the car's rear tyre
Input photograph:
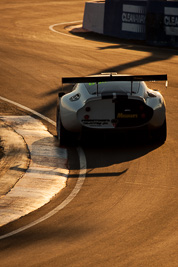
x,y
160,134
65,137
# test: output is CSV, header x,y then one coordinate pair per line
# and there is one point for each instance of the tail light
x,y
86,117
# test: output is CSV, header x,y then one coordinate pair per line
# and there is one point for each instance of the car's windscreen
x,y
114,87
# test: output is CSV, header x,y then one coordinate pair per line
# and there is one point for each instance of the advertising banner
x,y
112,18
171,23
133,17
155,33
153,21
125,19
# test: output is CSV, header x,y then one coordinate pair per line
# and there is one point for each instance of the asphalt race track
x,y
126,213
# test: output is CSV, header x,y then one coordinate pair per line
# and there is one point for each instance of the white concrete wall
x,y
93,19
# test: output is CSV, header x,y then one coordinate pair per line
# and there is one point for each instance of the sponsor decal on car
x,y
95,122
127,116
95,83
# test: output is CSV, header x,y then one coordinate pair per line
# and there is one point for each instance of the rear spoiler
x,y
108,78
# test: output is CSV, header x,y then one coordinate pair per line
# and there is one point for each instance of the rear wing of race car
x,y
108,78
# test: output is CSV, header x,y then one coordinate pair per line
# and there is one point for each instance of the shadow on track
x,y
127,147
107,150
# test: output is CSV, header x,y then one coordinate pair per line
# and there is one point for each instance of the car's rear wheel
x,y
65,137
160,134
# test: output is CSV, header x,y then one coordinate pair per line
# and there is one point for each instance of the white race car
x,y
111,103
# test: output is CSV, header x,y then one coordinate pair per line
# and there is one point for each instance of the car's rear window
x,y
114,87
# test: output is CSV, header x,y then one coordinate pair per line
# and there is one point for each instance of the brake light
x,y
86,117
141,107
